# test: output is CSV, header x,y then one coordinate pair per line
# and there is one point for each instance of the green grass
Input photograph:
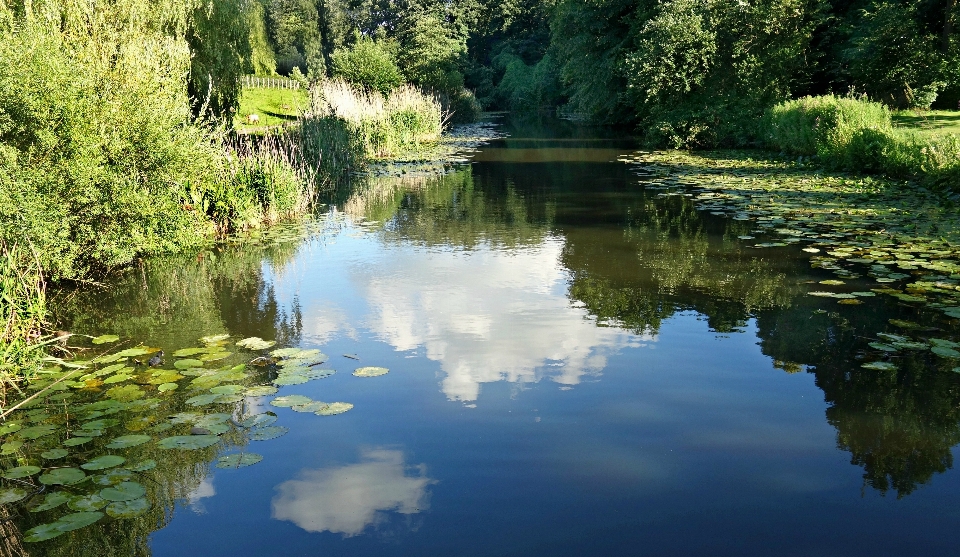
x,y
932,122
274,107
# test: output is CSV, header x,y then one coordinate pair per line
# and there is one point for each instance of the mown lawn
x,y
936,122
274,107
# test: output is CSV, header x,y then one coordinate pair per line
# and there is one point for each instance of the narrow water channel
x,y
578,365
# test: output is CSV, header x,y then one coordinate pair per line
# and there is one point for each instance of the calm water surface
x,y
578,366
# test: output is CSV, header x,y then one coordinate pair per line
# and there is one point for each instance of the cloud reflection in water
x,y
348,499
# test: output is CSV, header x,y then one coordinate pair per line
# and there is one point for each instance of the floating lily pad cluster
x,y
897,235
83,443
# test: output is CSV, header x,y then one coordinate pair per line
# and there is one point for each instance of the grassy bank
x,y
859,135
272,107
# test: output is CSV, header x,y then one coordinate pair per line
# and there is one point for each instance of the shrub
x,y
368,64
821,125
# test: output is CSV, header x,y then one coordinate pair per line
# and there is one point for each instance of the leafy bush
x,y
527,88
368,64
822,125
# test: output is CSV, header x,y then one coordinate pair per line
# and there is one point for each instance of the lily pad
x,y
126,393
36,432
187,363
309,407
228,389
54,454
123,491
188,442
62,476
832,282
105,339
114,477
21,472
285,352
10,447
187,352
883,347
879,366
89,503
51,501
202,400
165,387
228,399
256,343
289,400
267,433
262,390
213,339
8,428
212,357
370,371
76,441
238,460
259,420
143,466
66,524
287,379
334,408
945,352
12,495
103,462
128,509
132,352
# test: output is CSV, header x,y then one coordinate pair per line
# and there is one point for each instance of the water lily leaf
x,y
79,520
256,343
103,462
905,324
10,428
127,441
334,408
944,343
12,495
123,491
945,352
239,460
213,339
143,466
879,366
76,441
165,387
263,390
370,371
54,454
289,400
850,302
36,432
114,477
66,524
267,432
228,399
258,420
832,282
62,476
187,363
186,352
215,356
126,393
104,339
188,442
51,501
882,346
89,503
228,389
864,294
43,532
20,472
309,407
184,418
202,400
285,352
907,345
132,352
289,379
128,509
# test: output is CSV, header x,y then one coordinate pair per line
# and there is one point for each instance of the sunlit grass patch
x,y
931,122
272,107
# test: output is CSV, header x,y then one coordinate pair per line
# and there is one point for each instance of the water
x,y
577,366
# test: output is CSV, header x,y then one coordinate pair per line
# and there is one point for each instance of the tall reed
x,y
23,310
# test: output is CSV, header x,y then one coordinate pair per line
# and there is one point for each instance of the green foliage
x,y
856,134
220,52
368,64
23,311
430,52
893,59
525,88
263,61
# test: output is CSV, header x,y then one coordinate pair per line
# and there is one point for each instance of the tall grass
x,y
858,135
23,310
373,126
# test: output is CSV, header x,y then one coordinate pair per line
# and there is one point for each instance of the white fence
x,y
269,82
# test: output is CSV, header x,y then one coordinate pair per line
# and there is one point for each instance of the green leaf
x,y
289,400
378,371
128,509
114,477
36,432
256,343
184,352
89,503
239,460
267,433
20,472
104,339
143,466
52,501
188,442
12,495
75,441
187,363
258,420
263,390
127,441
945,352
103,462
63,476
54,454
123,491
334,408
